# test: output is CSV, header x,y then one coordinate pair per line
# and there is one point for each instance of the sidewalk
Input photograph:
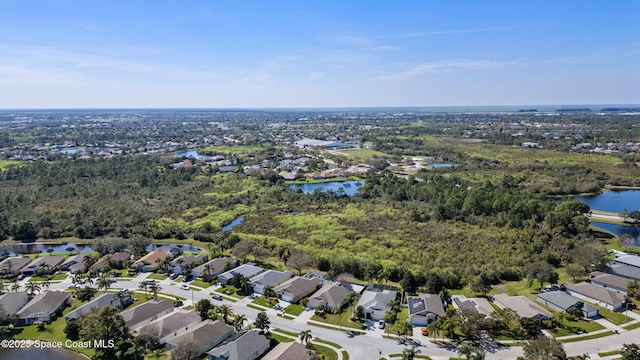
x,y
324,344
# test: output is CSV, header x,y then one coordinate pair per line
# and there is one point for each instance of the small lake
x,y
443,165
194,155
619,230
16,249
235,222
33,353
350,187
72,150
613,201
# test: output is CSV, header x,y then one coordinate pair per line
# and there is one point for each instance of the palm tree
x,y
269,292
89,281
165,262
466,350
31,288
244,284
225,312
410,353
104,283
239,321
46,282
15,287
2,288
143,286
70,250
88,261
121,296
155,288
157,353
8,264
305,336
43,268
77,278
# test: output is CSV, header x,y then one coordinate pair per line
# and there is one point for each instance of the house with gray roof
x,y
523,306
49,264
119,259
216,267
424,309
180,262
330,295
269,278
146,312
173,324
246,345
561,301
288,351
13,265
247,270
375,303
74,263
609,299
13,302
626,259
106,299
205,335
296,288
43,307
630,272
609,281
480,305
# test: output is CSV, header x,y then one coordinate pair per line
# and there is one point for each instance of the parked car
x,y
184,287
150,282
424,332
21,276
173,276
216,297
72,286
187,278
381,324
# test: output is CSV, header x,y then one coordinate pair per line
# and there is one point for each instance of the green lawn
x,y
613,317
201,284
327,352
229,291
56,277
342,320
294,309
571,327
279,338
154,276
262,301
632,326
588,337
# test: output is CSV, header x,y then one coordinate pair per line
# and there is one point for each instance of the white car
x,y
184,287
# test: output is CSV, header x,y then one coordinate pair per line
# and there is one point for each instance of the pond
x,y
613,201
442,165
36,248
72,150
350,187
33,353
619,230
235,222
194,155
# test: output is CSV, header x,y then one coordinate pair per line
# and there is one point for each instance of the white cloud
x,y
447,66
316,75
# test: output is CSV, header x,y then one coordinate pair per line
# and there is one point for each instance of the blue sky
x,y
222,54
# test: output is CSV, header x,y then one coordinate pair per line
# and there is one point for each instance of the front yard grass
x,y
55,277
294,309
339,320
229,291
613,317
262,301
588,337
154,276
201,284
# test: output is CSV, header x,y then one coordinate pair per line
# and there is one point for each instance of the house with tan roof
x,y
13,302
609,281
74,264
49,264
13,265
172,324
120,259
289,351
205,335
43,307
296,288
211,269
329,296
246,345
151,261
523,306
480,305
609,299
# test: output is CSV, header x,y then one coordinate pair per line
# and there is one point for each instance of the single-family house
x,y
213,268
173,324
609,281
146,312
180,262
269,278
289,351
376,303
151,261
106,299
120,260
424,309
247,270
609,299
330,295
13,302
523,306
480,305
296,288
625,265
246,345
626,259
561,301
205,335
47,264
13,265
43,307
74,264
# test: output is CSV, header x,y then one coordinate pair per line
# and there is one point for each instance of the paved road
x,y
368,346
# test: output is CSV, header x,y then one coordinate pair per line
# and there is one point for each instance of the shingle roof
x,y
106,299
216,265
248,270
564,300
45,302
523,306
189,259
204,333
605,295
271,277
16,263
330,295
288,351
625,270
169,323
13,302
609,280
145,311
298,286
52,261
151,258
631,260
376,299
425,302
478,304
241,346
